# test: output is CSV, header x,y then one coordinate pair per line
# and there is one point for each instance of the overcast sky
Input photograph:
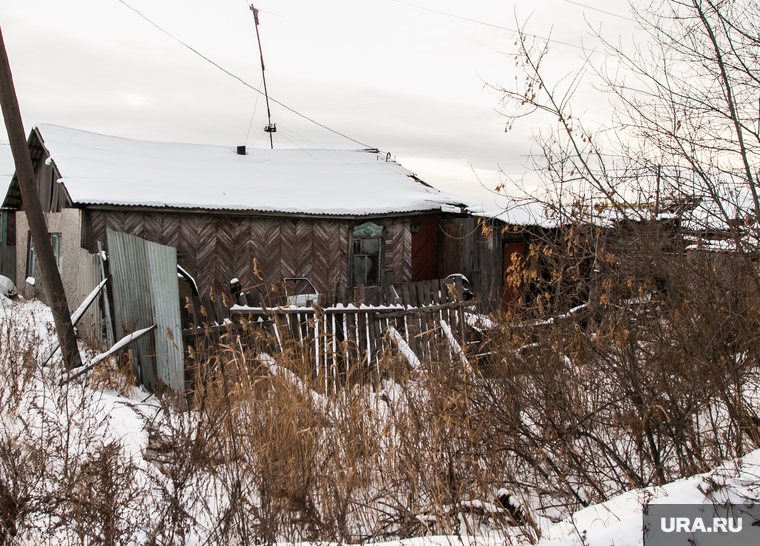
x,y
399,76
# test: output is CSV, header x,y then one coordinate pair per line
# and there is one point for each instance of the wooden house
x,y
336,217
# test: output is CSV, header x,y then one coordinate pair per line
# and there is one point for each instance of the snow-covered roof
x,y
517,213
106,170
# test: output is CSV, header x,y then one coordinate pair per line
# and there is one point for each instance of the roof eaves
x,y
37,151
264,212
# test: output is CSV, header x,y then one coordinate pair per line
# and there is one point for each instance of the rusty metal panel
x,y
164,291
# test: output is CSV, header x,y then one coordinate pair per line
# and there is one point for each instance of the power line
x,y
301,137
296,145
600,10
487,24
241,80
250,123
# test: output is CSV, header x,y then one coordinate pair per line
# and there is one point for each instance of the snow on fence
x,y
339,336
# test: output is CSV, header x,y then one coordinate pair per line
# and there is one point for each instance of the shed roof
x,y
106,170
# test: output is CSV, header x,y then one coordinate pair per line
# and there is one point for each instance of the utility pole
x,y
270,128
51,278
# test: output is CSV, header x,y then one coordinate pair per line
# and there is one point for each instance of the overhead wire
x,y
255,141
250,123
295,144
600,10
241,80
486,24
300,137
508,29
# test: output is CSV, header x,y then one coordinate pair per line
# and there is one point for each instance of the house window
x,y
55,241
31,262
367,255
31,259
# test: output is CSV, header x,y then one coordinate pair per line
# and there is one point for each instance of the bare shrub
x,y
61,477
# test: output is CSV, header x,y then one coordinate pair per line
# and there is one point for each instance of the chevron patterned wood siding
x,y
398,248
216,248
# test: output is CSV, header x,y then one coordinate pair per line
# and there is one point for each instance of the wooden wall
x,y
463,245
215,248
398,248
424,247
52,194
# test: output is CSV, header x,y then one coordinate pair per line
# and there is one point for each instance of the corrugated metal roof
x,y
105,170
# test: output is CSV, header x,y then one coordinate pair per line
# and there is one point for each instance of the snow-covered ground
x,y
619,521
36,404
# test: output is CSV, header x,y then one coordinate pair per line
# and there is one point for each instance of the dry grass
x,y
655,379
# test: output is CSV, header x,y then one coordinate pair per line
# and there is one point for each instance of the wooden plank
x,y
391,298
377,335
420,290
361,337
435,290
351,340
196,317
373,295
334,340
428,292
277,329
419,347
406,295
423,336
449,250
369,296
340,294
222,311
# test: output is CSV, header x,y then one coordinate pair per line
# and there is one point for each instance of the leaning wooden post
x,y
51,278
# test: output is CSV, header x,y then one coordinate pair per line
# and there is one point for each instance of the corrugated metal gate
x,y
145,292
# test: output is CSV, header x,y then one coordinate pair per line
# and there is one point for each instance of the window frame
x,y
366,234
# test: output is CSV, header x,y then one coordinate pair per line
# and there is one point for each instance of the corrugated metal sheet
x,y
164,288
145,292
90,326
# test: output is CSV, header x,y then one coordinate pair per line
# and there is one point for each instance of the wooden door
x,y
424,247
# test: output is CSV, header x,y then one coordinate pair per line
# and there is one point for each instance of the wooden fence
x,y
338,337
